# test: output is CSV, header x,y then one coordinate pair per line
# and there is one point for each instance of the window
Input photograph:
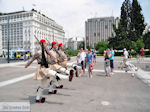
x,y
24,15
11,17
14,17
17,16
31,14
106,26
27,15
5,18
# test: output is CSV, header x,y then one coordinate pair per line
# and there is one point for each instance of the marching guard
x,y
45,72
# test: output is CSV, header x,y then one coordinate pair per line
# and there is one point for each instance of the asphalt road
x,y
119,93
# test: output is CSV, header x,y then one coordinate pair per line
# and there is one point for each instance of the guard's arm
x,y
35,56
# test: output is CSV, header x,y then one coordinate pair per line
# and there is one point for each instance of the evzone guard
x,y
45,72
57,66
65,63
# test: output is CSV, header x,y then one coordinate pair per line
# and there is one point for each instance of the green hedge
x,y
147,54
72,52
99,54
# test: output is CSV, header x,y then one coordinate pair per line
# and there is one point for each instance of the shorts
x,y
79,64
94,57
112,63
83,65
88,67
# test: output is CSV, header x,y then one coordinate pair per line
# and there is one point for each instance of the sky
x,y
72,14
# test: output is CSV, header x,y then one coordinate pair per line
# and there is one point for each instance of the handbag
x,y
91,67
107,61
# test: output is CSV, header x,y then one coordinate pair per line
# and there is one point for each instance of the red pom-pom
x,y
60,44
53,43
42,41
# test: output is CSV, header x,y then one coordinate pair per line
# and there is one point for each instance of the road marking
x,y
26,68
115,71
105,103
11,64
18,79
8,82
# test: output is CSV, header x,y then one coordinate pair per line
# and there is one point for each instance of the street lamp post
x,y
8,41
53,34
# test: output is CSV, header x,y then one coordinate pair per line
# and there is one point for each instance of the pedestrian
x,y
112,59
81,61
94,56
138,57
15,55
79,64
104,60
126,54
107,55
142,53
89,62
24,57
130,55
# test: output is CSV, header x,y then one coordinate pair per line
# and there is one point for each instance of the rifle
x,y
68,57
37,39
43,60
61,58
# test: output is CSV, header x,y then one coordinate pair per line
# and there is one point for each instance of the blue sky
x,y
72,14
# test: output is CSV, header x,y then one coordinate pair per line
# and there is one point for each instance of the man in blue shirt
x,y
112,59
89,62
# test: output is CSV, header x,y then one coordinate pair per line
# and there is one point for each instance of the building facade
x,y
1,51
74,43
24,26
98,29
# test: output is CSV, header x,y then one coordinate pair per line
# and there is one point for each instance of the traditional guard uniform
x,y
65,63
56,66
44,74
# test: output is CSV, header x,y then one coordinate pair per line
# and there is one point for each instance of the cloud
x,y
71,14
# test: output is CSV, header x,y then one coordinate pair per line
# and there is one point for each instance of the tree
x,y
1,13
81,45
120,39
125,15
139,44
137,21
101,46
130,28
146,40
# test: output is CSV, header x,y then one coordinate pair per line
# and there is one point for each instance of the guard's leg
x,y
60,76
68,72
75,67
51,88
57,83
57,77
39,98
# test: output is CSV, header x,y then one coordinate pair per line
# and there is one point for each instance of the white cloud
x,y
71,14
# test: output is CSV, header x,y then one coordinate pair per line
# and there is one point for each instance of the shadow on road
x,y
45,92
62,94
31,99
